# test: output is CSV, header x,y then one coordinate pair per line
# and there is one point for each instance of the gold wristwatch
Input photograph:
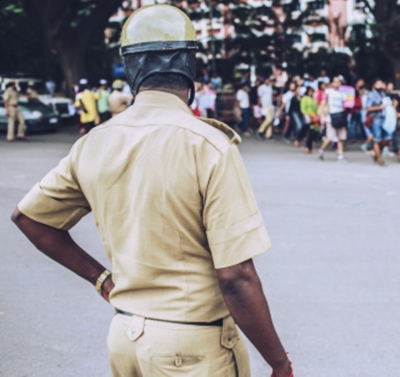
x,y
100,281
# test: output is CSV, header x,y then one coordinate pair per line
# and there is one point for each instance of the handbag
x,y
339,120
369,119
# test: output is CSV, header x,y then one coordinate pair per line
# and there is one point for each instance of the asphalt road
x,y
332,277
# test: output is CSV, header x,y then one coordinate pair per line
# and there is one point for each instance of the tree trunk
x,y
387,15
69,44
396,70
72,62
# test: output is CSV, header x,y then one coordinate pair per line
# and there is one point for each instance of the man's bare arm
x,y
58,245
375,108
245,299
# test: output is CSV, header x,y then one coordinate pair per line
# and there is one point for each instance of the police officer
x,y
118,101
10,98
176,214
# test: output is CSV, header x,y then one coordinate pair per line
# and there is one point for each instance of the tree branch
x,y
369,6
97,19
384,10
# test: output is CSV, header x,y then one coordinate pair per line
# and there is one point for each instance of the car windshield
x,y
31,104
39,86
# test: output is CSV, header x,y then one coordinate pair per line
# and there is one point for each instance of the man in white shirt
x,y
324,78
267,110
309,81
286,98
243,102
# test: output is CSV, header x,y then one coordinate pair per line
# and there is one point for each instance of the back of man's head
x,y
158,45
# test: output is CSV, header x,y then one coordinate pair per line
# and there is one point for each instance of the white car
x,y
62,106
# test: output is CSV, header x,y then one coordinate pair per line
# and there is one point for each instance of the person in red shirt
x,y
321,95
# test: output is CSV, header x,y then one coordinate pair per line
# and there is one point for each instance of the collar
x,y
155,98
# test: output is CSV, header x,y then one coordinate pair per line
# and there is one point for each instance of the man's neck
x,y
182,94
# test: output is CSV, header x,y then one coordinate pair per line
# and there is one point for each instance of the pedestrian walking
x,y
367,123
243,101
267,110
253,94
85,101
13,114
102,103
395,137
320,94
310,82
118,101
177,216
211,97
356,129
375,110
336,121
309,109
296,117
216,81
50,86
286,100
324,78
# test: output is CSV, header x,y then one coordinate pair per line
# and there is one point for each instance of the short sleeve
x,y
234,226
6,95
368,101
57,199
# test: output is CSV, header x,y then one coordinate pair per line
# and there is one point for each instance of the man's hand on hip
x,y
58,245
107,287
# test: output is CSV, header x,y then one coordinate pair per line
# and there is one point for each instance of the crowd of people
x,y
320,112
306,111
95,106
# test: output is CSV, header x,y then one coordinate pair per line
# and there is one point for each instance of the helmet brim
x,y
159,46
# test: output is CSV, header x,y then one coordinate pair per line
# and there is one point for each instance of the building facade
x,y
261,32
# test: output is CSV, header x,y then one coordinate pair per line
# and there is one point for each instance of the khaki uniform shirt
x,y
118,101
11,95
171,200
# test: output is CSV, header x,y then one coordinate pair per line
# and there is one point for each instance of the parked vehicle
x,y
38,116
64,107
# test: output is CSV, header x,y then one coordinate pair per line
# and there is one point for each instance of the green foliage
x,y
25,36
22,50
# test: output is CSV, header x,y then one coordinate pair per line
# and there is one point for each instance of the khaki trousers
x,y
15,114
140,347
267,125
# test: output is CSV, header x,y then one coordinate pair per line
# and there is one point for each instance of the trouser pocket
x,y
135,328
231,339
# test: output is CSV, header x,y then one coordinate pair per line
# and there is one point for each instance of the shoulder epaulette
x,y
233,136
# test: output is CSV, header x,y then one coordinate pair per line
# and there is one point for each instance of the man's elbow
x,y
16,216
233,280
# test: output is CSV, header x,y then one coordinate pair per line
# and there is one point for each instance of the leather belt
x,y
218,322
